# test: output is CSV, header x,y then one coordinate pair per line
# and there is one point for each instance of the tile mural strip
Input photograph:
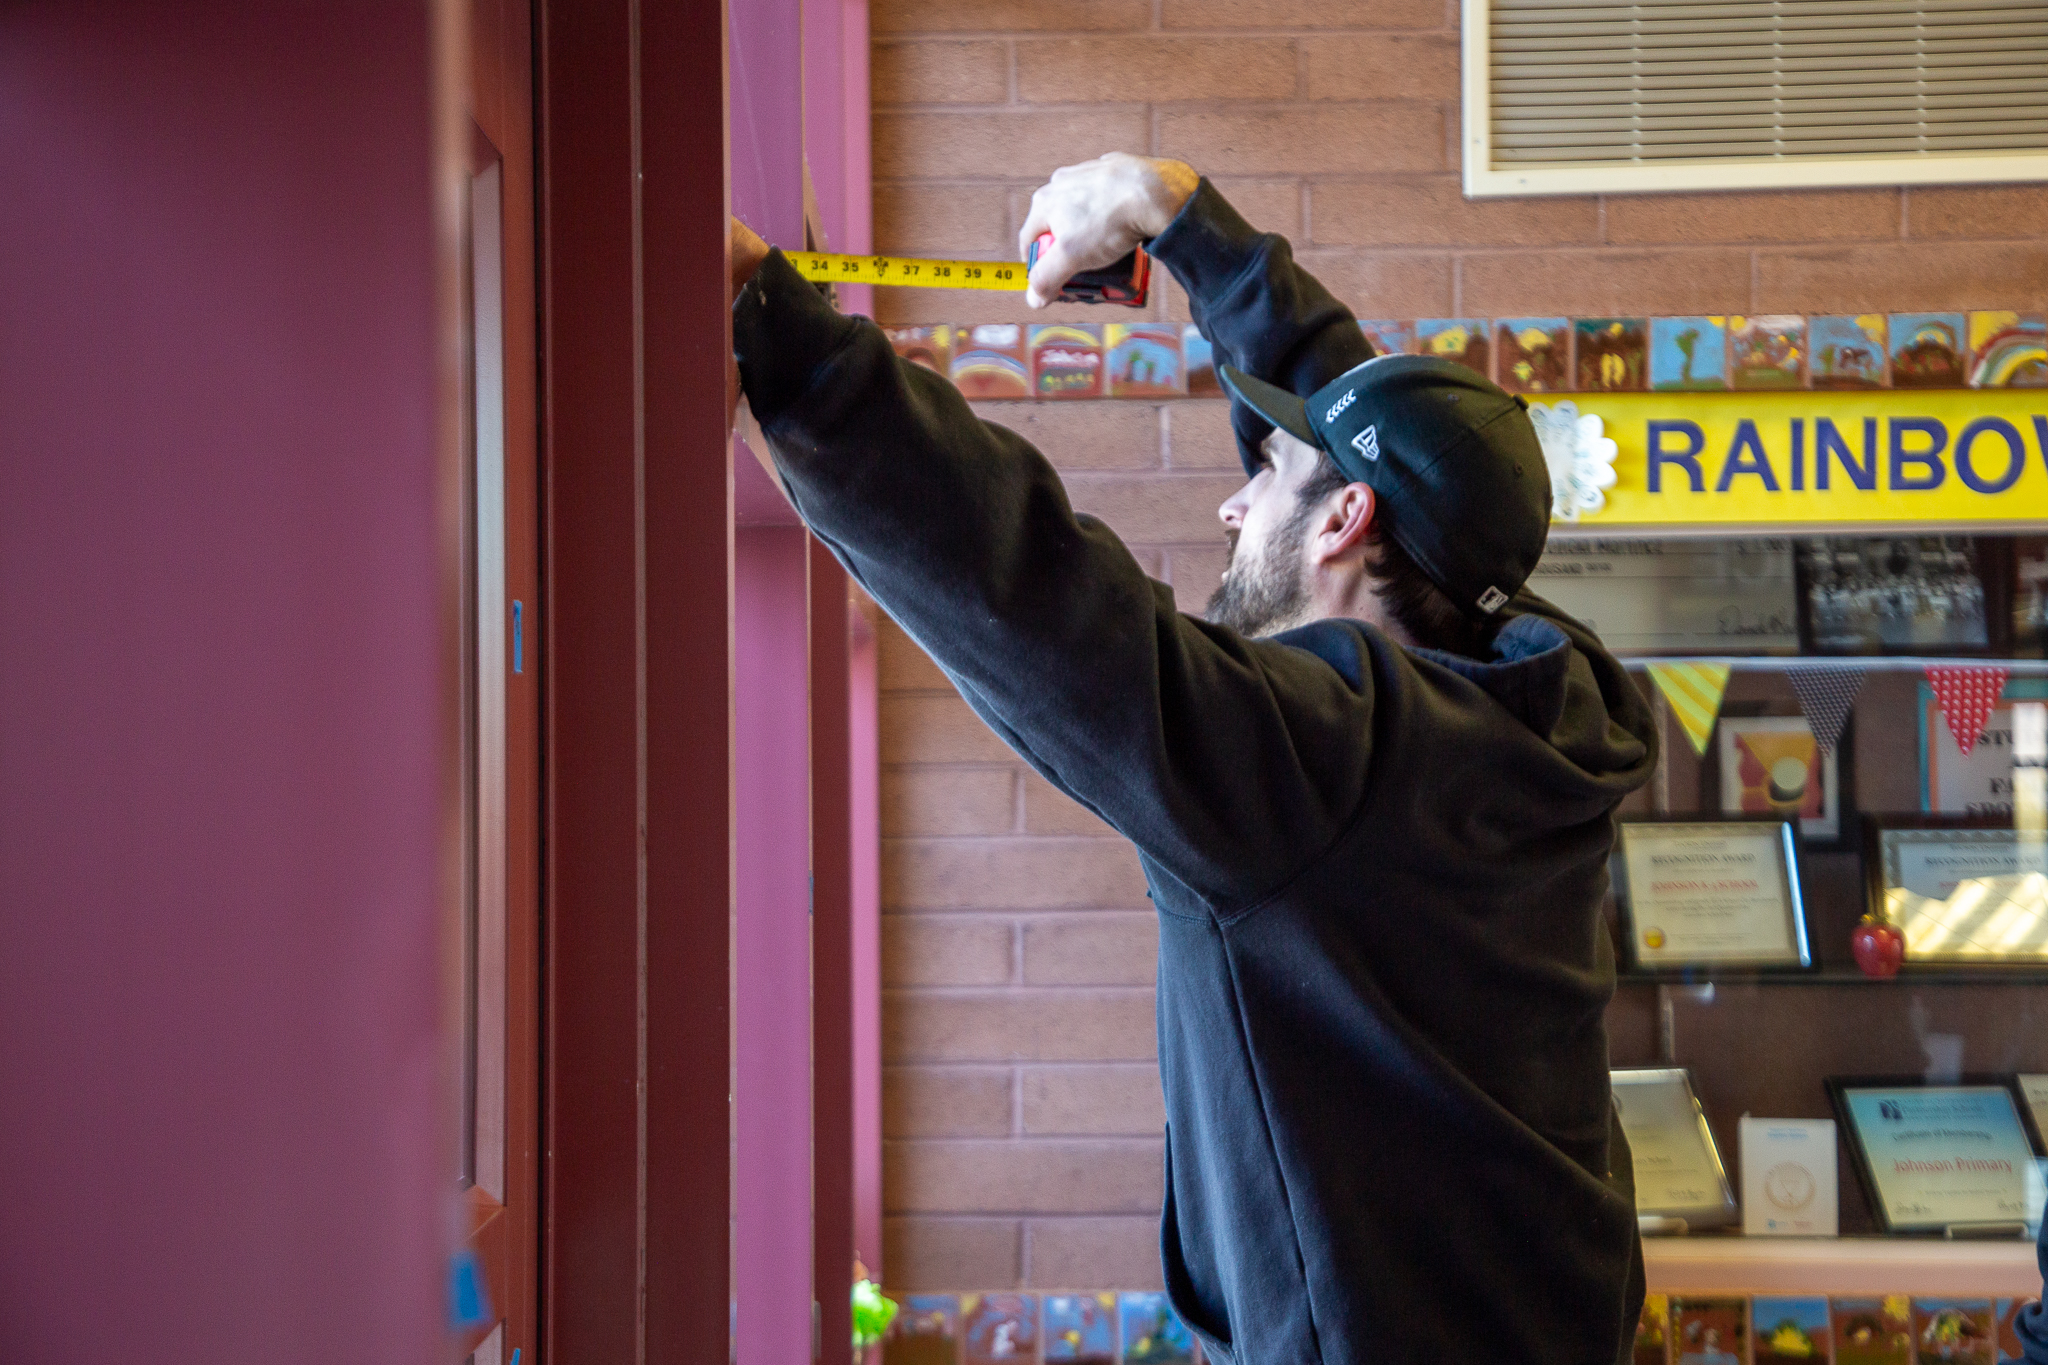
x,y
1141,1328
1067,361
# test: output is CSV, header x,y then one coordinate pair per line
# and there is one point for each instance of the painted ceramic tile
x,y
1845,352
1144,360
1198,359
1653,1331
1929,350
2007,1311
2008,351
1533,355
1955,1331
1464,340
1080,1329
1152,1333
1873,1331
1688,353
1389,337
1767,352
1710,1331
930,347
988,361
999,1329
1790,1331
1611,354
1066,360
926,1331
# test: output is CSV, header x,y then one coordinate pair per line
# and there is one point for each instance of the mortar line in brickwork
x,y
1010,51
1016,953
1905,213
1017,822
1016,1101
1158,16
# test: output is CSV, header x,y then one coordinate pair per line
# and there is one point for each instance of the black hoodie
x,y
1378,870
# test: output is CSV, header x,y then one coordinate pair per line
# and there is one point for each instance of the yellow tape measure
x,y
905,270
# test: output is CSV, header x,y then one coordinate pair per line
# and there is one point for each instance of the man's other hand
x,y
1096,212
747,251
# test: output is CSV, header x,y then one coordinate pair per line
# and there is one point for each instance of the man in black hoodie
x,y
1373,797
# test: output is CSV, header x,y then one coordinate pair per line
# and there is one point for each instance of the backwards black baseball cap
x,y
1453,459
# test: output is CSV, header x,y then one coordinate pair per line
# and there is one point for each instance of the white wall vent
x,y
1594,96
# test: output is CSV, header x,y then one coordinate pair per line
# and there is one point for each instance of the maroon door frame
x,y
638,555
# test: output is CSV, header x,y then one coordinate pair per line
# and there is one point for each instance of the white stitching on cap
x,y
1340,405
1367,443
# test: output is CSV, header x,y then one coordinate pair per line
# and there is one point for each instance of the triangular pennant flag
x,y
1825,695
1968,693
1694,691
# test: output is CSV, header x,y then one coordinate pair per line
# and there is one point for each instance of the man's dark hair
x,y
1431,619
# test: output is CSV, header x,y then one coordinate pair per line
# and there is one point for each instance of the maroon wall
x,y
221,1133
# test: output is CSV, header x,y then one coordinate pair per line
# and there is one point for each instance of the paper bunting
x,y
1825,695
1694,691
1968,694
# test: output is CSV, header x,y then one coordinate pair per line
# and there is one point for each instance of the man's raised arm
x,y
1230,762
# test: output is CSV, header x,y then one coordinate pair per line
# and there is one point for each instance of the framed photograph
x,y
1949,1158
1772,765
1679,1173
1710,893
1964,890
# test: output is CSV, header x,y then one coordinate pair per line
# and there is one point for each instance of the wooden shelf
x,y
1842,976
1847,1265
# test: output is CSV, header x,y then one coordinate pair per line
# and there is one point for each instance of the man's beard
x,y
1267,591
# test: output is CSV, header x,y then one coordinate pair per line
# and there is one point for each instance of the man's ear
x,y
1341,530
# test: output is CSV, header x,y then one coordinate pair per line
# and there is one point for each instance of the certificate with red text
x,y
1711,893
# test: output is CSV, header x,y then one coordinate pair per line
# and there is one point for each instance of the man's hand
x,y
745,252
1096,212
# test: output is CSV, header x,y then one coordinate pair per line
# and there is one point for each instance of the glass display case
x,y
1855,731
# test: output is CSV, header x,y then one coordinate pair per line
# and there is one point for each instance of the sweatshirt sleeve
x,y
1230,763
1263,313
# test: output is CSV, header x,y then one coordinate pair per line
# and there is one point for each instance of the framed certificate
x,y
1678,1169
1710,893
1938,1158
1963,890
1721,596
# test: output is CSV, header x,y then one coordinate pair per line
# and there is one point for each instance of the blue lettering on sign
x,y
2041,439
2015,457
1828,441
1928,458
1746,456
1687,459
1798,454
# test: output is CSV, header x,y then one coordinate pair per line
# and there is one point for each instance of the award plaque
x,y
1710,893
1679,1174
1938,1158
1963,891
1720,596
1788,1178
2034,1090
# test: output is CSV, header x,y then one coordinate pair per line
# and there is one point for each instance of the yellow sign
x,y
1870,458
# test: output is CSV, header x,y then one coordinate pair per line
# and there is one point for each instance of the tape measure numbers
x,y
904,270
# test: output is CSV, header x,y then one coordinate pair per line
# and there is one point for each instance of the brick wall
x,y
1022,1113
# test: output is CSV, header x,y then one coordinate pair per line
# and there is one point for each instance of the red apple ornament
x,y
1879,947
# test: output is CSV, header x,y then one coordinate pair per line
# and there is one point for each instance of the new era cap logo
x,y
1367,443
1340,405
1492,600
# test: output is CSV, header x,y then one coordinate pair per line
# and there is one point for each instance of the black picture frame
x,y
1839,1088
1874,828
1847,837
1803,961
